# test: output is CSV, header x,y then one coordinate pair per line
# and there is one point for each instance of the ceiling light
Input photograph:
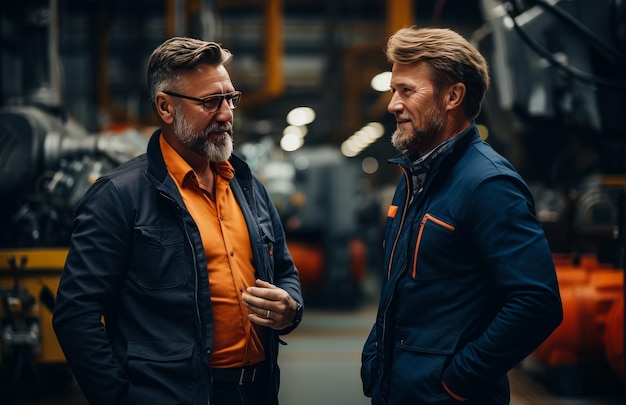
x,y
369,165
300,116
291,142
301,131
381,81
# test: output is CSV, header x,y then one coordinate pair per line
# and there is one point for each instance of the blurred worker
x,y
470,287
182,253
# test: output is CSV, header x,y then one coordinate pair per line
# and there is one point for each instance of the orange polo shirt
x,y
230,266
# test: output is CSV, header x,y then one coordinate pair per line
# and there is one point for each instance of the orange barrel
x,y
589,292
358,261
309,261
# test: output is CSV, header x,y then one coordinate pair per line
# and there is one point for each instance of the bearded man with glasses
x,y
178,281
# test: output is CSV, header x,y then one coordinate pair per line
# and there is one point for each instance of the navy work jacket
x,y
136,258
470,286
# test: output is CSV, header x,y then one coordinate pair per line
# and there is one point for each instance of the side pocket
x,y
160,372
368,373
419,359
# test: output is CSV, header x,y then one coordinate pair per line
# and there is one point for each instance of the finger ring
x,y
268,313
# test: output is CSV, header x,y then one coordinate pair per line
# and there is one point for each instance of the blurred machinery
x,y
316,192
555,109
558,76
47,161
46,165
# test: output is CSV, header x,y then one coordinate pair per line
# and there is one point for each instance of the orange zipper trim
x,y
425,219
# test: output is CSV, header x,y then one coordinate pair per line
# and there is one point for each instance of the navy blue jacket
x,y
137,259
470,286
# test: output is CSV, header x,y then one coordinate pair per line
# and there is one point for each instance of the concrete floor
x,y
321,365
321,362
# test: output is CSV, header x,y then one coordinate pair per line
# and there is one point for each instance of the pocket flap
x,y
160,235
160,351
427,341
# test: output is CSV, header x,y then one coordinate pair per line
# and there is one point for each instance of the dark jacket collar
x,y
466,137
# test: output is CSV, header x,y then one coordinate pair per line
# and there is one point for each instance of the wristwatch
x,y
299,311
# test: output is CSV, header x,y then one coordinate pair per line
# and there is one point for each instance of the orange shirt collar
x,y
179,169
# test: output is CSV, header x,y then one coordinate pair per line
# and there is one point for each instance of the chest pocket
x,y
158,257
434,252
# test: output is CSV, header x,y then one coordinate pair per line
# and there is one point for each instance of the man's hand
x,y
269,305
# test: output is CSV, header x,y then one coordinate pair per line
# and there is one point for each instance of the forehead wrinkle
x,y
403,82
211,79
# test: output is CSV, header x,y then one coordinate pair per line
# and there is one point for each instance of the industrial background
x,y
313,124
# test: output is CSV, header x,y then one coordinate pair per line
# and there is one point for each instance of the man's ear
x,y
164,108
455,95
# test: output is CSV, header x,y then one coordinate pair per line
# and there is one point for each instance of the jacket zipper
x,y
425,219
395,243
404,210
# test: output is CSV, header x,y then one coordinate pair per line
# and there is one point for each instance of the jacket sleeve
x,y
515,254
285,272
368,362
95,261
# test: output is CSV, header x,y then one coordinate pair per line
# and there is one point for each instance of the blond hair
x,y
451,57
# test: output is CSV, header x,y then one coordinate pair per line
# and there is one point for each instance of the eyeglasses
x,y
211,104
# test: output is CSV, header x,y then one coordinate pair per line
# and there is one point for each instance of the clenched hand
x,y
269,305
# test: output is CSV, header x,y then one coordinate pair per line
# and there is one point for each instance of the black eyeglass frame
x,y
231,98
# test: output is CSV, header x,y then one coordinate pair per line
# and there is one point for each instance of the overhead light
x,y
381,81
348,149
369,165
300,116
290,142
301,131
362,138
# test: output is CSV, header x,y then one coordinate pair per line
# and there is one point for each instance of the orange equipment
x,y
592,330
28,280
309,259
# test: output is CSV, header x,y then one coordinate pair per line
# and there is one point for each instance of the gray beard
x,y
433,125
214,143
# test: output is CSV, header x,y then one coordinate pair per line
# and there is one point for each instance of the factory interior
x,y
313,124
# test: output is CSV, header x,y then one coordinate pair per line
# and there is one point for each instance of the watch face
x,y
299,311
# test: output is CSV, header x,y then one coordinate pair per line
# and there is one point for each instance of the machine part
x,y
614,337
19,325
597,217
590,291
37,280
46,165
33,141
68,184
29,338
550,56
22,132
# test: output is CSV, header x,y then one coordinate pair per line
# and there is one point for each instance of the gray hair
x,y
179,54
